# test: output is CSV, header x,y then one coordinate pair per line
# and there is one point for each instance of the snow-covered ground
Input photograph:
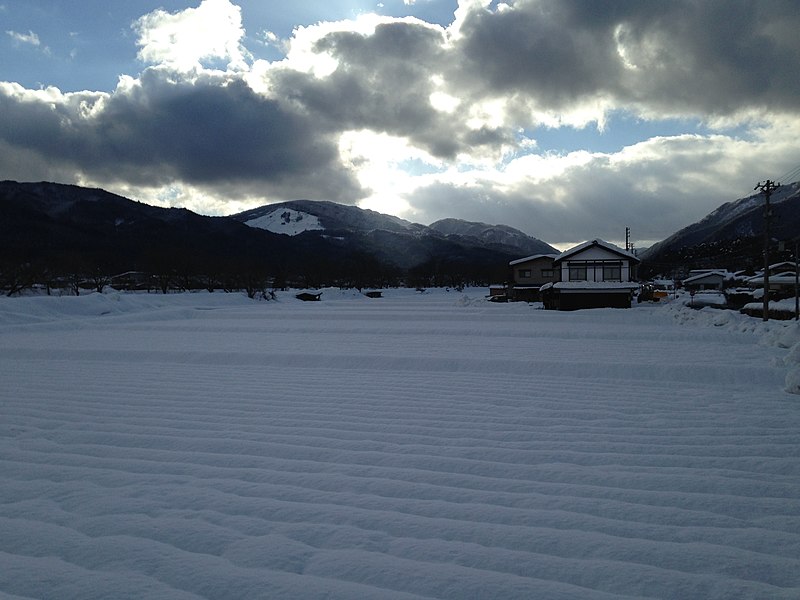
x,y
418,445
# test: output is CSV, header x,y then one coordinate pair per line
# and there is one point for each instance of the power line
x,y
791,176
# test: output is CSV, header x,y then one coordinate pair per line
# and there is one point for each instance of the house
x,y
528,275
786,266
781,284
594,274
706,280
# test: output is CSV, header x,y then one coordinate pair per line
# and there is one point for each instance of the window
x,y
548,273
524,273
612,272
577,273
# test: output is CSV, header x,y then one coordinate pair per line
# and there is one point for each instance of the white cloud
x,y
28,39
184,40
25,38
304,54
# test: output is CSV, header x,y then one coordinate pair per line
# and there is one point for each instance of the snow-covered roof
x,y
784,263
596,242
595,285
532,257
701,276
787,277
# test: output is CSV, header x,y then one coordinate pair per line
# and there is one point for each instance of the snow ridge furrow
x,y
421,446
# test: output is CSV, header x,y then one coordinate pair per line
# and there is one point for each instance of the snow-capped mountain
x,y
297,216
287,222
391,238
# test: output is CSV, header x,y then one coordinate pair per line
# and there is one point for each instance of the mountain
x,y
51,233
730,237
390,238
393,240
321,215
58,232
499,235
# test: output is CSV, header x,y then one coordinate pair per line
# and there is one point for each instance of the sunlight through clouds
x,y
184,40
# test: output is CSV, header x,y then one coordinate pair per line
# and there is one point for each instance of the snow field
x,y
414,446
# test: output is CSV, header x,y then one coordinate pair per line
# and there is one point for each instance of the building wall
x,y
596,300
595,256
538,268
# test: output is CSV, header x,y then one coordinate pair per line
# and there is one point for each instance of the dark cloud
x,y
533,49
382,83
683,56
208,132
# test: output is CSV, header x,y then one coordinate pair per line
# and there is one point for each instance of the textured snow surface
x,y
414,446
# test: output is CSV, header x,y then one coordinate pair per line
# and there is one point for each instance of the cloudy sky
x,y
568,119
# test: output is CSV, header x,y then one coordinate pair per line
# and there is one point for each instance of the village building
x,y
781,284
706,280
594,274
528,275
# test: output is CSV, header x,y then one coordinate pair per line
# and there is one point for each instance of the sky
x,y
567,119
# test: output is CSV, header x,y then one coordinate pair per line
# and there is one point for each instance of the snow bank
x,y
42,309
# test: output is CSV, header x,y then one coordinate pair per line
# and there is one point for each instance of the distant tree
x,y
100,280
15,278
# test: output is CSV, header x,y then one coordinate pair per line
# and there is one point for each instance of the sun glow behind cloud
x,y
184,40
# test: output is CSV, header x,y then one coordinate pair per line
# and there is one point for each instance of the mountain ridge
x,y
390,237
70,230
730,236
54,232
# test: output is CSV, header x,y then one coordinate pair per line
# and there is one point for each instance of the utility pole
x,y
766,188
627,239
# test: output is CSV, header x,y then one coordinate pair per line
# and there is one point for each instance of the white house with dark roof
x,y
594,274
